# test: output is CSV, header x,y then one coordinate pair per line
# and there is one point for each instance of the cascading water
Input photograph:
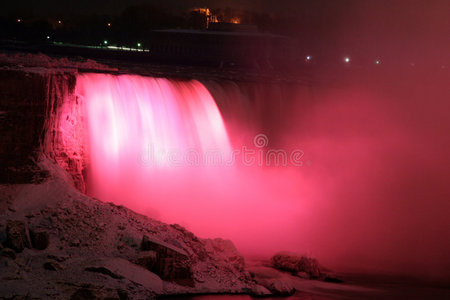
x,y
161,147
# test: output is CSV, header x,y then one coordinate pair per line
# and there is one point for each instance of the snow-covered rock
x,y
295,263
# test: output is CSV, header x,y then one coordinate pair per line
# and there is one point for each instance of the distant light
x,y
19,20
308,57
109,24
347,59
59,22
377,62
138,44
48,37
105,42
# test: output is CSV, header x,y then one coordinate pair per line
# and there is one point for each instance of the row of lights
x,y
346,60
105,42
19,20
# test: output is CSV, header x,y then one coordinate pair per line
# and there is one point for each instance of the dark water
x,y
362,287
302,296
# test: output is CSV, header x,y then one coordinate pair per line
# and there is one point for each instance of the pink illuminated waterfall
x,y
130,114
147,136
140,128
161,147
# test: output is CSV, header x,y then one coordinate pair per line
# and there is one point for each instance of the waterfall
x,y
161,147
329,175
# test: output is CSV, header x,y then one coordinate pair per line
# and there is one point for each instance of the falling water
x,y
161,147
166,148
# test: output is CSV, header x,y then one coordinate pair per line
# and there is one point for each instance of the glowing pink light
x,y
367,166
127,114
129,118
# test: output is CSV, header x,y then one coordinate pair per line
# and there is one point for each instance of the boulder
x,y
120,268
17,237
280,287
167,261
39,239
226,251
148,260
259,291
296,263
175,270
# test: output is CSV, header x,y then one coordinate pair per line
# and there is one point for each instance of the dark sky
x,y
63,7
421,26
44,7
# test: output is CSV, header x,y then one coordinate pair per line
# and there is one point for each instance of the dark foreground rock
x,y
81,248
39,239
17,237
167,261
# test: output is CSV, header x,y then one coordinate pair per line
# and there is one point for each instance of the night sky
x,y
378,27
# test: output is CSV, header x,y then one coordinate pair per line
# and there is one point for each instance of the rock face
x,y
294,263
167,261
17,237
45,99
148,259
22,117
